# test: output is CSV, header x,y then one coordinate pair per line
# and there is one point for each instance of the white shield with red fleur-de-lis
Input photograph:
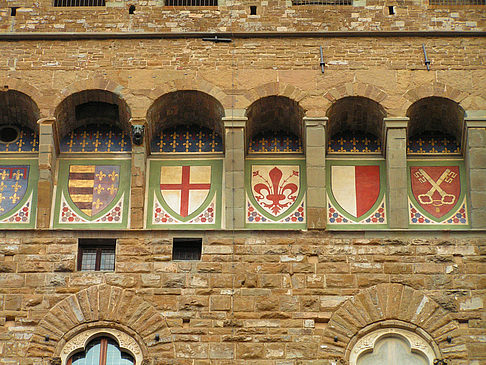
x,y
276,188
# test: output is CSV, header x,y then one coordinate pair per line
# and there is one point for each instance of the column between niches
x,y
48,152
476,169
234,171
315,156
140,150
396,170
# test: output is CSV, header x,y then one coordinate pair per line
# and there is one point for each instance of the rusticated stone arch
x,y
185,84
273,89
434,89
390,304
25,88
356,89
100,306
66,111
95,83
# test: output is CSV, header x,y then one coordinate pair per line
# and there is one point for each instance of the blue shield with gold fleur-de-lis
x,y
93,187
13,186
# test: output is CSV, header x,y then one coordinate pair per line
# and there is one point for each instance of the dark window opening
x,y
97,109
13,10
8,134
391,10
191,2
96,254
186,248
65,3
253,9
131,9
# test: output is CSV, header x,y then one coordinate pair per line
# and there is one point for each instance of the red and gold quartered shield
x,y
436,188
93,187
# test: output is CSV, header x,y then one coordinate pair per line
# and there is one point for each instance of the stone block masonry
x,y
272,300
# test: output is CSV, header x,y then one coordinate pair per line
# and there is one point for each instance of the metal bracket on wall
x,y
322,61
427,62
215,39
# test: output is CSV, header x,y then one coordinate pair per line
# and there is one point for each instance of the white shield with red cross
x,y
436,189
185,188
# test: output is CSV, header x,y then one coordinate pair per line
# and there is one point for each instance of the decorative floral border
x,y
378,216
161,217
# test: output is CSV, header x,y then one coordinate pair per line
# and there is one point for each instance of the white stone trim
x,y
367,343
81,340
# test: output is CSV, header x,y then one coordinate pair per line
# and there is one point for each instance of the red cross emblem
x,y
185,188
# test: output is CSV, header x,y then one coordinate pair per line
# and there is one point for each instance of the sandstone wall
x,y
280,16
388,70
270,298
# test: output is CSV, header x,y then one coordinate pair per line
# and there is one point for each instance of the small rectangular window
x,y
96,254
191,2
74,3
186,248
322,2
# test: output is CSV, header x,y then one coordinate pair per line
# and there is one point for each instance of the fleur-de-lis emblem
x,y
16,186
14,198
4,174
113,175
97,203
275,191
112,189
99,189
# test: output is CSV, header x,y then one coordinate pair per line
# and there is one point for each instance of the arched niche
x,y
18,122
275,125
186,121
435,127
92,107
355,126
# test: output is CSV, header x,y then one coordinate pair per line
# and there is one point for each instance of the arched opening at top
x,y
93,121
355,126
186,121
435,126
394,345
101,351
275,125
18,122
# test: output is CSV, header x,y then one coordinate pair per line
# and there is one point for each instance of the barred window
x,y
457,2
96,255
322,2
73,3
191,2
186,248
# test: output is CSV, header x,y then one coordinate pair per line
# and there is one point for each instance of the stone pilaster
x,y
396,170
234,174
48,151
315,152
475,153
140,149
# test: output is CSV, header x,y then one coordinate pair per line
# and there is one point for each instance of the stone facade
x,y
274,295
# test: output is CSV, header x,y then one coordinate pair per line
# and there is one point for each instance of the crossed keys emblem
x,y
445,199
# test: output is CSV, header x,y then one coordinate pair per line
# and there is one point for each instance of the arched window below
x,y
392,346
101,347
101,351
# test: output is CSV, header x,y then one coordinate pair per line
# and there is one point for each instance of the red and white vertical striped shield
x,y
355,188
